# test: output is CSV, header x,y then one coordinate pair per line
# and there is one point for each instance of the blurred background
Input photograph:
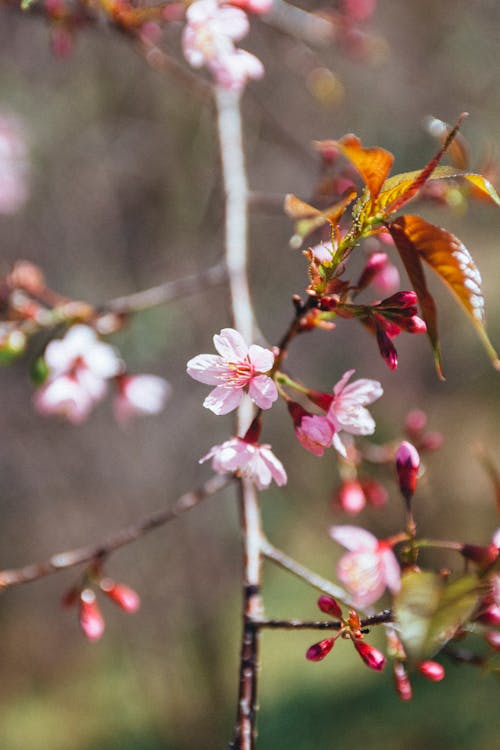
x,y
124,191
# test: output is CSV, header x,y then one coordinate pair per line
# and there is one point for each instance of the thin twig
x,y
89,553
378,619
300,23
168,291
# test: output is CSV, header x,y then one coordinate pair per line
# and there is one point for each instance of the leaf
x,y
458,150
308,218
415,271
451,261
373,164
26,4
429,611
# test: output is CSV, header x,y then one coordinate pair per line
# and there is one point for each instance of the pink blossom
x,y
208,40
79,366
315,433
257,462
13,165
238,368
368,567
347,411
139,394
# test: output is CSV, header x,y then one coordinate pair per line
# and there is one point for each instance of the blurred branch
x,y
378,619
300,24
90,553
168,291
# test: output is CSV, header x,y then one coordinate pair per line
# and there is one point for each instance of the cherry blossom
x,y
208,40
79,366
257,462
368,567
237,368
347,411
139,394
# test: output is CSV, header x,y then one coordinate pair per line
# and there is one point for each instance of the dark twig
x,y
89,553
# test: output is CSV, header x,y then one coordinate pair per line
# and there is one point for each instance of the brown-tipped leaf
x,y
451,261
373,164
308,218
429,611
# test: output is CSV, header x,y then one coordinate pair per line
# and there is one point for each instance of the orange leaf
x,y
308,218
451,261
373,164
458,150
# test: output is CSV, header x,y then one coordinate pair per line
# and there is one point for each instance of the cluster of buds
x,y
348,629
353,494
89,613
430,669
389,318
425,441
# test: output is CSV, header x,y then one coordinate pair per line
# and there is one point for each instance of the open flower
x,y
139,394
257,462
347,411
238,368
369,567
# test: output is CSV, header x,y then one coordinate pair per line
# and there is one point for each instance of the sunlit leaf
x,y
415,271
373,164
451,261
429,611
308,218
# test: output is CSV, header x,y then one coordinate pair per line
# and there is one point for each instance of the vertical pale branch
x,y
236,194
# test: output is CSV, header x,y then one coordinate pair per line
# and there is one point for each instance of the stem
x,y
90,553
378,619
236,195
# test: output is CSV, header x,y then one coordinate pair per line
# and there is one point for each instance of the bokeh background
x,y
125,192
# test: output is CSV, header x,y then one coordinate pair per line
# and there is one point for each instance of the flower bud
x,y
402,682
350,497
329,606
371,656
492,638
122,595
407,466
483,556
375,493
432,670
318,651
91,620
415,422
387,349
490,615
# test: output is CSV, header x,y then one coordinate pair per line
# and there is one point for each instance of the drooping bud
x,y
372,657
483,556
91,619
432,670
402,682
407,466
329,606
318,651
124,596
350,497
387,349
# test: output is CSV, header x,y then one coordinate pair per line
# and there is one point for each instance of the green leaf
x,y
39,371
26,4
429,611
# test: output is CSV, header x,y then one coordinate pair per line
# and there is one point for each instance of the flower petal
x,y
206,368
222,400
339,387
231,345
263,391
262,359
354,538
275,466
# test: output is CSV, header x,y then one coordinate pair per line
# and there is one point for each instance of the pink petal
x,y
262,359
315,434
363,391
354,538
391,568
339,445
274,464
357,421
339,387
232,22
206,368
222,400
103,360
263,391
361,574
231,345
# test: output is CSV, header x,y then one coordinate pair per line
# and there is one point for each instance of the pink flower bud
x,y
407,466
372,657
492,638
400,300
402,682
416,421
91,620
375,493
490,615
318,651
414,325
122,595
350,497
432,670
431,441
387,349
329,606
483,556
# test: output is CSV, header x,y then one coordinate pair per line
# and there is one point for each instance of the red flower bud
x,y
492,638
407,466
371,656
350,497
375,493
318,651
252,435
91,620
321,399
490,615
432,670
400,300
483,556
387,349
402,682
329,606
123,595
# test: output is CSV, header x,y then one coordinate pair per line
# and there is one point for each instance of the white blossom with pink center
x,y
139,394
79,366
347,411
368,568
239,368
13,165
251,460
208,40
